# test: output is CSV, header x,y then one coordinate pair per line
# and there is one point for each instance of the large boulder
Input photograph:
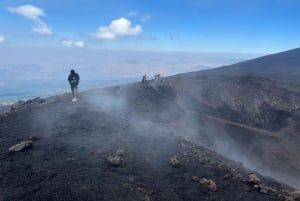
x,y
175,161
114,160
253,179
210,184
21,146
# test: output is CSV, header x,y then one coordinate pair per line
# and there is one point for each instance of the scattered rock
x,y
228,176
296,194
182,145
174,161
25,104
264,189
253,179
69,159
256,187
21,146
16,105
289,198
195,178
114,160
238,176
38,100
120,152
222,165
233,176
209,184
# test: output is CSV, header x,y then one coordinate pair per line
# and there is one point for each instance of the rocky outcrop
x,y
117,159
21,146
21,105
210,184
78,147
253,179
114,160
175,161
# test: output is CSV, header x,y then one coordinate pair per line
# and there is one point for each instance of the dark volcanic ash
x,y
120,143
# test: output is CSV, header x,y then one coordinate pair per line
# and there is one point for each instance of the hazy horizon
x,y
40,41
33,71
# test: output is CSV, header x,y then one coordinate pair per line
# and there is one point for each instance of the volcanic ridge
x,y
203,135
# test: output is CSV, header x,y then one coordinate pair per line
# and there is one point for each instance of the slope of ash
x,y
131,142
249,115
282,67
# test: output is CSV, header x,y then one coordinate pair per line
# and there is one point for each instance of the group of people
x,y
74,78
156,76
145,80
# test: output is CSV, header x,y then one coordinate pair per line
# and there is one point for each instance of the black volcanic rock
x,y
253,101
70,159
283,67
4,108
117,143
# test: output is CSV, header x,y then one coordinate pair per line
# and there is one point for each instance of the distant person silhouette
x,y
144,79
74,81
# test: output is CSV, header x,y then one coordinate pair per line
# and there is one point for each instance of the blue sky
x,y
41,40
235,26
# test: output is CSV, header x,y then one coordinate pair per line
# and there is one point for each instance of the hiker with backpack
x,y
73,79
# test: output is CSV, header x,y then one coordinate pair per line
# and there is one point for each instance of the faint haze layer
x,y
30,72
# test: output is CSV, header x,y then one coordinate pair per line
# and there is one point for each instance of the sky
x,y
41,40
235,26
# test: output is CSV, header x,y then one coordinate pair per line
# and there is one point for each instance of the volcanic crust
x,y
152,142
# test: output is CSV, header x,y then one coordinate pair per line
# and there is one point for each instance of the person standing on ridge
x,y
74,81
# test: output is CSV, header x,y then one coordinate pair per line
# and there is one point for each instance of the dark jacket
x,y
73,78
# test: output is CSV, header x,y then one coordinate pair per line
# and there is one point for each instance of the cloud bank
x,y
73,43
33,13
118,28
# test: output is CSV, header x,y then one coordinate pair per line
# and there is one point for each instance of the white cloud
x,y
33,13
72,43
146,17
41,28
118,28
2,39
28,11
79,43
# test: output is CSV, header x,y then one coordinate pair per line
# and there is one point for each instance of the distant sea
x,y
25,90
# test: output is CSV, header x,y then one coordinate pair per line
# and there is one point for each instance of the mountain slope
x,y
156,141
283,66
116,144
283,62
